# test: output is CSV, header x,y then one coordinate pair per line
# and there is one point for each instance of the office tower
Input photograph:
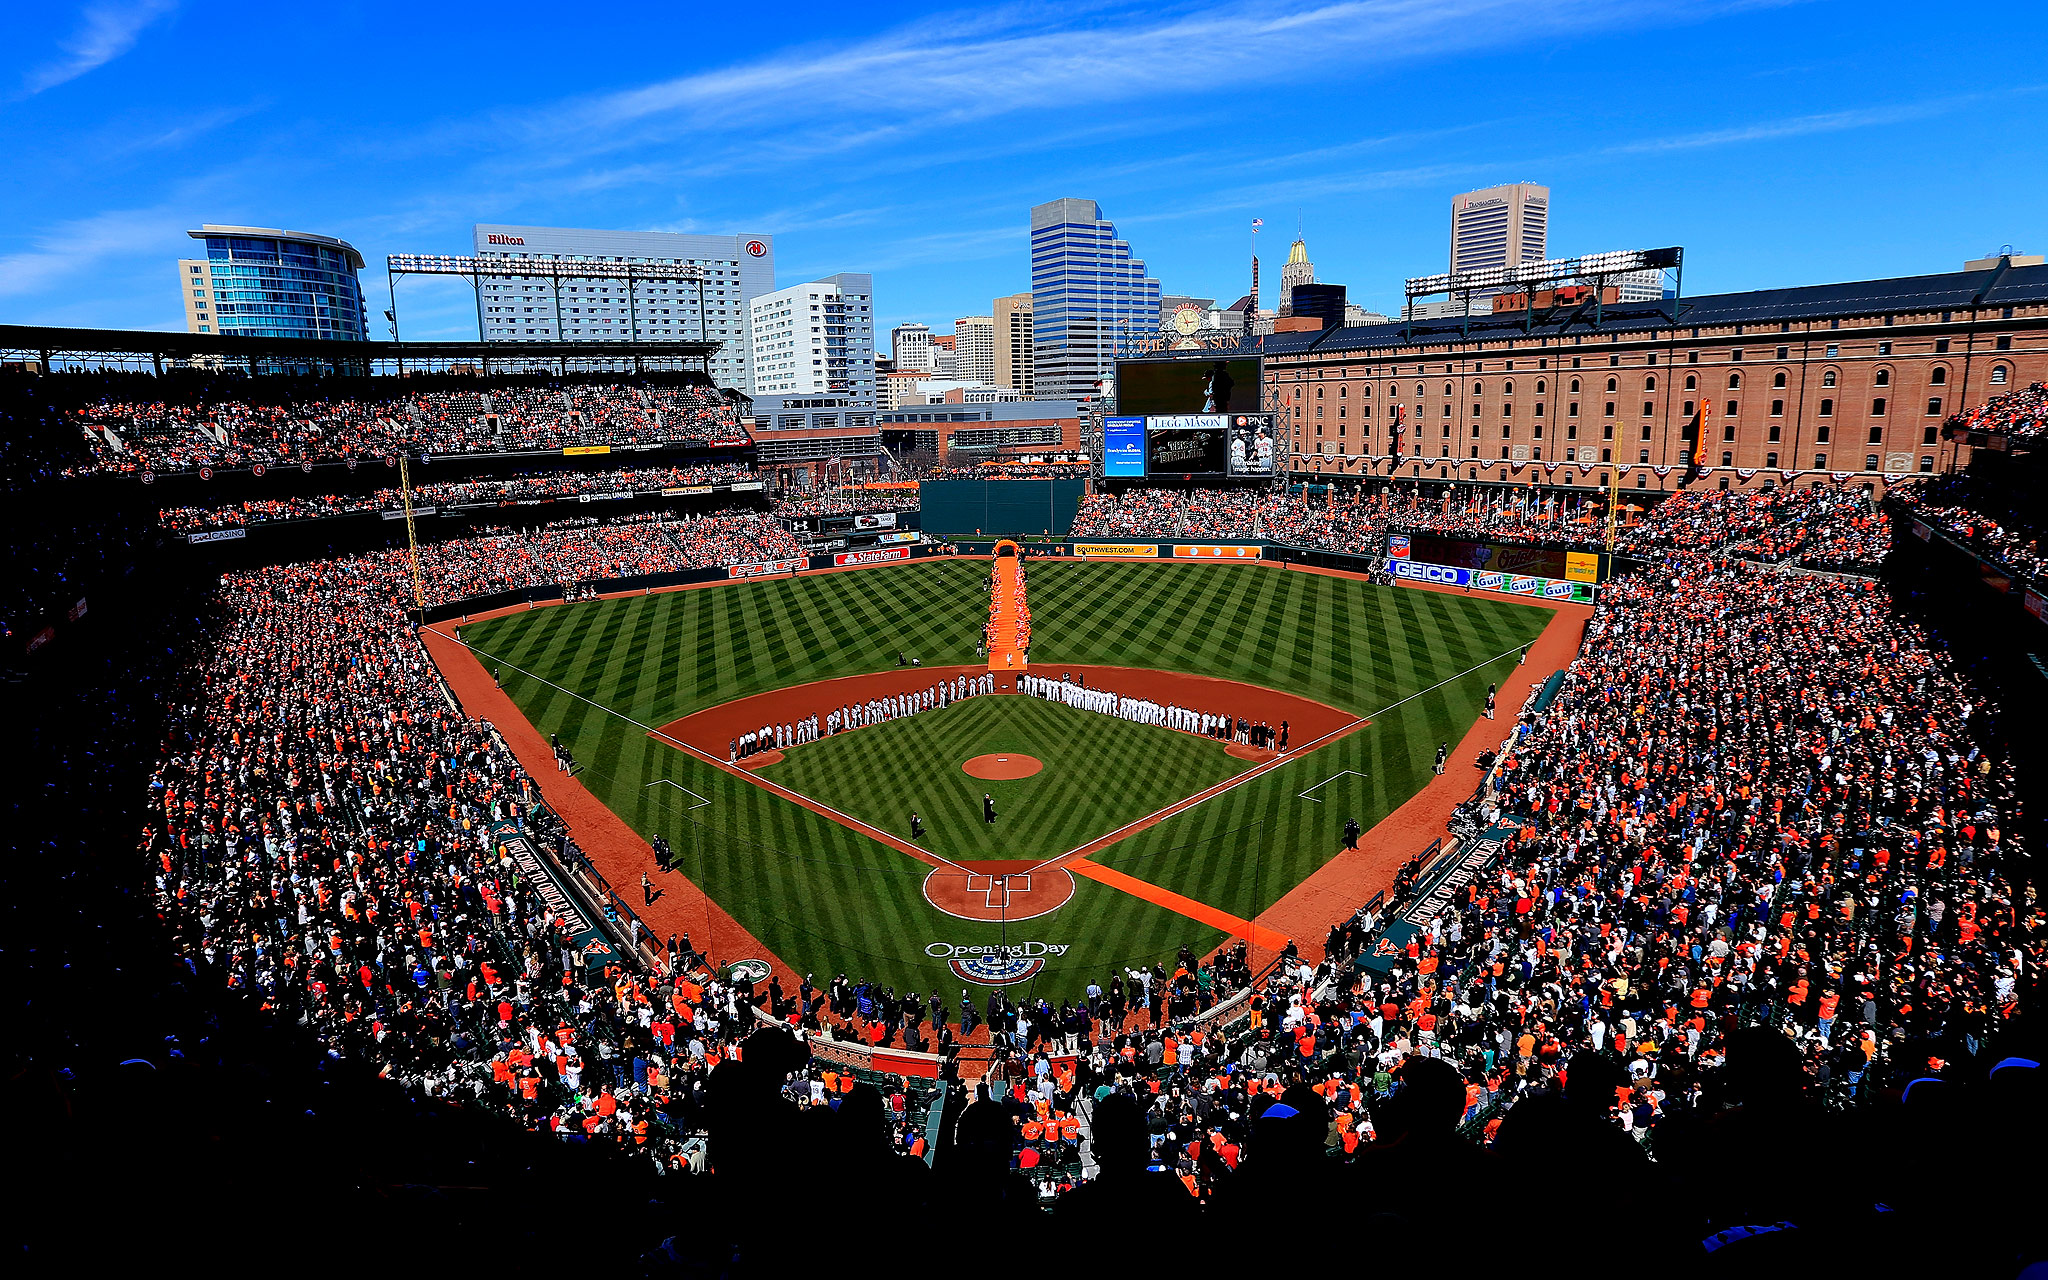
x,y
1089,298
974,348
1013,343
910,346
1299,270
1500,226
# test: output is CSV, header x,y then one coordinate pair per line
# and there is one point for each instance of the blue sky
x,y
1781,143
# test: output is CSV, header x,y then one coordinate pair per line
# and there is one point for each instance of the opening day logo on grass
x,y
997,965
749,970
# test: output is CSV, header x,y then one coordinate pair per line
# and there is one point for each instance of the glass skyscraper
x,y
261,282
1088,295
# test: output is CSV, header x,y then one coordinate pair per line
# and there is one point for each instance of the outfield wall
x,y
1000,508
682,578
1108,549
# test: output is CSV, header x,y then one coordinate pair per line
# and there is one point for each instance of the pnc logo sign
x,y
494,238
756,249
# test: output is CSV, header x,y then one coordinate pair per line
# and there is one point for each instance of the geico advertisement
x,y
1109,550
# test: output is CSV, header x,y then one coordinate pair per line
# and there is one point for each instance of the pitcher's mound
x,y
1002,767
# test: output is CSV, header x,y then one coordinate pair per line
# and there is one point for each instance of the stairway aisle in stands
x,y
1008,622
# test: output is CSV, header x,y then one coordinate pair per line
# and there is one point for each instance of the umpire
x,y
988,808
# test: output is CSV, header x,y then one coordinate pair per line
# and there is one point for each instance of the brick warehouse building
x,y
1843,381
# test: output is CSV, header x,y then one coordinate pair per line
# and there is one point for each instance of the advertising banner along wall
x,y
1486,580
1116,550
879,556
765,568
1216,553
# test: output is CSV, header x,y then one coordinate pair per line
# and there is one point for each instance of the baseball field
x,y
813,853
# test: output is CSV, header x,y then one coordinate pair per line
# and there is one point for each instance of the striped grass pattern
x,y
829,900
1100,773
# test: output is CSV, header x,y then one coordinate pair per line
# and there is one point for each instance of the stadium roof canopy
x,y
1992,288
56,347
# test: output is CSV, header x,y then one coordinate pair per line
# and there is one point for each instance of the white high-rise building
x,y
974,348
527,308
817,338
1500,226
910,346
1641,286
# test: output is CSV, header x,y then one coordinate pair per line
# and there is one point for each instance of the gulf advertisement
x,y
881,555
1116,550
1513,584
764,568
1216,553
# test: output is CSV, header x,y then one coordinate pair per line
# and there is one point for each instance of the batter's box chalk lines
x,y
701,801
1326,782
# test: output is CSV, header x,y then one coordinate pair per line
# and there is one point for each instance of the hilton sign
x,y
498,239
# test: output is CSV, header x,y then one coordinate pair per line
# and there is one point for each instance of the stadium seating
x,y
1757,931
222,423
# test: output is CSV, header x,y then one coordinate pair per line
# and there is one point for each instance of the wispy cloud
x,y
84,243
105,32
934,76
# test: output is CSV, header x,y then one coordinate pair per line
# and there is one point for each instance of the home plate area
x,y
998,891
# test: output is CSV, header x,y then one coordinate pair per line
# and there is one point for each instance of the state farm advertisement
x,y
880,556
1216,553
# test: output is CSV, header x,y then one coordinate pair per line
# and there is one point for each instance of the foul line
x,y
1326,782
1248,775
701,801
845,819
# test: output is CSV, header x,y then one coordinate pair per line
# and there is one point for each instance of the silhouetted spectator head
x,y
982,1142
1121,1141
1763,1068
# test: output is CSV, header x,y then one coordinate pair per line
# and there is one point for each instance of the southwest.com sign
x,y
1478,580
1116,550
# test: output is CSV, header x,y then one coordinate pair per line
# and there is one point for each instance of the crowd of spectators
x,y
1821,527
1763,830
1991,519
577,551
2020,416
180,425
848,501
1356,521
1006,471
325,836
493,489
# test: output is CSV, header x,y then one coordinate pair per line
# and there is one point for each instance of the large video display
x,y
1251,444
1123,446
1149,387
1186,444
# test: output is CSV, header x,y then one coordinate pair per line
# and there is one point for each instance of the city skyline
x,y
122,152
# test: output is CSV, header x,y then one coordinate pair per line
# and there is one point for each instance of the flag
x,y
1257,223
1696,459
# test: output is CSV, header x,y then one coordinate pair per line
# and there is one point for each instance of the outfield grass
x,y
1100,774
601,673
